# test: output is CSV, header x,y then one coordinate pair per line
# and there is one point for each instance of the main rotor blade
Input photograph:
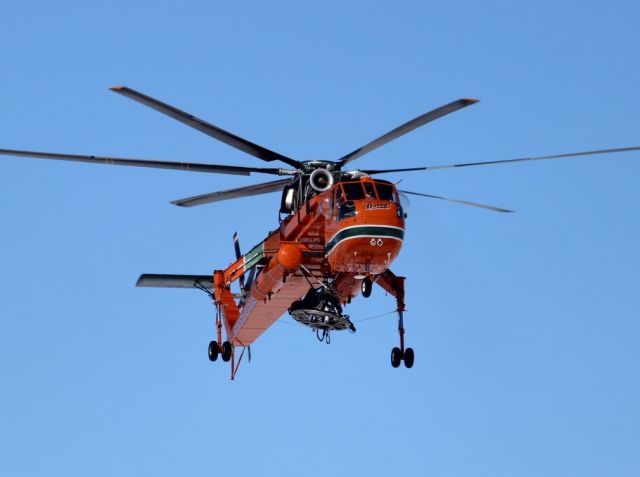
x,y
372,172
406,127
537,158
180,166
255,189
455,201
205,127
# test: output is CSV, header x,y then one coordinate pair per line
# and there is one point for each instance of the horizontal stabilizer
x,y
175,281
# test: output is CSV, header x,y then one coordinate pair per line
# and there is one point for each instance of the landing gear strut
x,y
395,286
215,348
219,348
402,354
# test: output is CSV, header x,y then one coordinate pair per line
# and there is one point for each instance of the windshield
x,y
385,192
369,191
353,190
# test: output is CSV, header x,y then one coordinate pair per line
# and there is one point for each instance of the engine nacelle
x,y
321,180
287,204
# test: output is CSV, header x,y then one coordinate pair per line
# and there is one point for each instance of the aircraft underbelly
x,y
258,315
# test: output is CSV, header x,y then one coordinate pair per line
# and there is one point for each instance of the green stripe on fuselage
x,y
253,256
364,231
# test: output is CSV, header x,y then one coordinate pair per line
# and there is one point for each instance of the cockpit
x,y
360,190
379,194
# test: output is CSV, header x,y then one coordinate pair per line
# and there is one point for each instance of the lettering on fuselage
x,y
376,205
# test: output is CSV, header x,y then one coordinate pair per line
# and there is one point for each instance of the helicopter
x,y
339,230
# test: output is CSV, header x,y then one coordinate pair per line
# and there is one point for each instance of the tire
x,y
214,350
226,351
396,357
409,357
366,287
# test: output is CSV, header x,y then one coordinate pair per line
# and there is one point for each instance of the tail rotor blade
x,y
236,246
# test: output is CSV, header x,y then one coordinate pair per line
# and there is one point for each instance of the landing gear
x,y
408,357
227,350
366,287
217,347
401,354
214,350
395,286
396,357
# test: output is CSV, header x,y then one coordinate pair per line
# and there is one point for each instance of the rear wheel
x,y
409,356
214,350
396,357
226,351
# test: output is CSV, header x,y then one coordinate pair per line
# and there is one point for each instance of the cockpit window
x,y
385,192
353,190
369,191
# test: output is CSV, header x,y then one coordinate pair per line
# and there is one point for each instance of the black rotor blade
x,y
180,166
406,128
372,172
538,158
205,127
246,191
456,201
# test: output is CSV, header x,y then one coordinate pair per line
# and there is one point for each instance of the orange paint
x,y
289,256
352,230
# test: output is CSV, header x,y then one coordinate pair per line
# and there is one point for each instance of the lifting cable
x,y
376,316
306,271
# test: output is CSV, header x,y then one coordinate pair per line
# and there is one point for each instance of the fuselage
x,y
349,232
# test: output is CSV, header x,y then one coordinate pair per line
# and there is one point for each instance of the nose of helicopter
x,y
368,242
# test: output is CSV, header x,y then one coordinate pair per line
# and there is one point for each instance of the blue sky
x,y
525,326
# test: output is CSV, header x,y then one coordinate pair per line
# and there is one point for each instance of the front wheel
x,y
367,285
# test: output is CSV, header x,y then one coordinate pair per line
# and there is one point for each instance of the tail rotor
x,y
236,246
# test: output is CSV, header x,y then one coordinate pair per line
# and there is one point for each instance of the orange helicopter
x,y
338,233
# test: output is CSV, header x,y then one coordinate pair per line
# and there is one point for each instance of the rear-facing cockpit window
x,y
385,192
353,190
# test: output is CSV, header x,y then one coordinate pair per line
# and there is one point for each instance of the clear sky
x,y
525,326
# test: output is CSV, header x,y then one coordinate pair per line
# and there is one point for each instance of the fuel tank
x,y
269,281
